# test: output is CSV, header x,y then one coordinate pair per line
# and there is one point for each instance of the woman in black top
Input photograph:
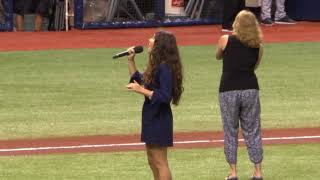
x,y
239,90
161,84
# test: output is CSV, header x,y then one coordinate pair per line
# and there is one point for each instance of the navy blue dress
x,y
157,126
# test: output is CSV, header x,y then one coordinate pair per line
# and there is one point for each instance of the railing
x,y
91,14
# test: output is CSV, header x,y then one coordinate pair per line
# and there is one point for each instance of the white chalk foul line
x,y
142,144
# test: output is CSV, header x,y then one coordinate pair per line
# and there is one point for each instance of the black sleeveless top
x,y
238,66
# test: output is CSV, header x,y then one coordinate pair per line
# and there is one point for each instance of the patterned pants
x,y
266,9
241,106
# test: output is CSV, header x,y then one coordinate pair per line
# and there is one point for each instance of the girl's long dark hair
x,y
165,50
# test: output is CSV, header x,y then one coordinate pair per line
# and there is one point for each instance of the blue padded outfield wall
x,y
93,14
307,10
6,15
97,14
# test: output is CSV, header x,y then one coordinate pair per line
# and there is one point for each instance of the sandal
x,y
231,178
256,178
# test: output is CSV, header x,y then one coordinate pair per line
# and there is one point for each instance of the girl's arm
x,y
140,89
131,63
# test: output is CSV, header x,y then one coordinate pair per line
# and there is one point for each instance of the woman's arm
x,y
221,46
259,57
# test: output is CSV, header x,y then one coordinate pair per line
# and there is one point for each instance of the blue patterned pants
x,y
241,106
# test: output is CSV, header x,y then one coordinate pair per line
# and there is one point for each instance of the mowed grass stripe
x,y
294,162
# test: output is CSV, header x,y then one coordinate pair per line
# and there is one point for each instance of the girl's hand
x,y
131,53
134,86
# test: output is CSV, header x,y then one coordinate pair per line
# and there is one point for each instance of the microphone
x,y
137,49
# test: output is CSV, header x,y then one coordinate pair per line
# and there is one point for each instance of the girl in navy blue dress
x,y
161,84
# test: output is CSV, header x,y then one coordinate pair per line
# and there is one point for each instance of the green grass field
x,y
82,92
280,162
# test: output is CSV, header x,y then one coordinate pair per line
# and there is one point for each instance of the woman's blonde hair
x,y
246,28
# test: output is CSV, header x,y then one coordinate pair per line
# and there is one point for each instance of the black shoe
x,y
231,178
256,178
285,20
267,22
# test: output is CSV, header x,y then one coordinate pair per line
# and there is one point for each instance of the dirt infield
x,y
109,38
191,35
132,143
